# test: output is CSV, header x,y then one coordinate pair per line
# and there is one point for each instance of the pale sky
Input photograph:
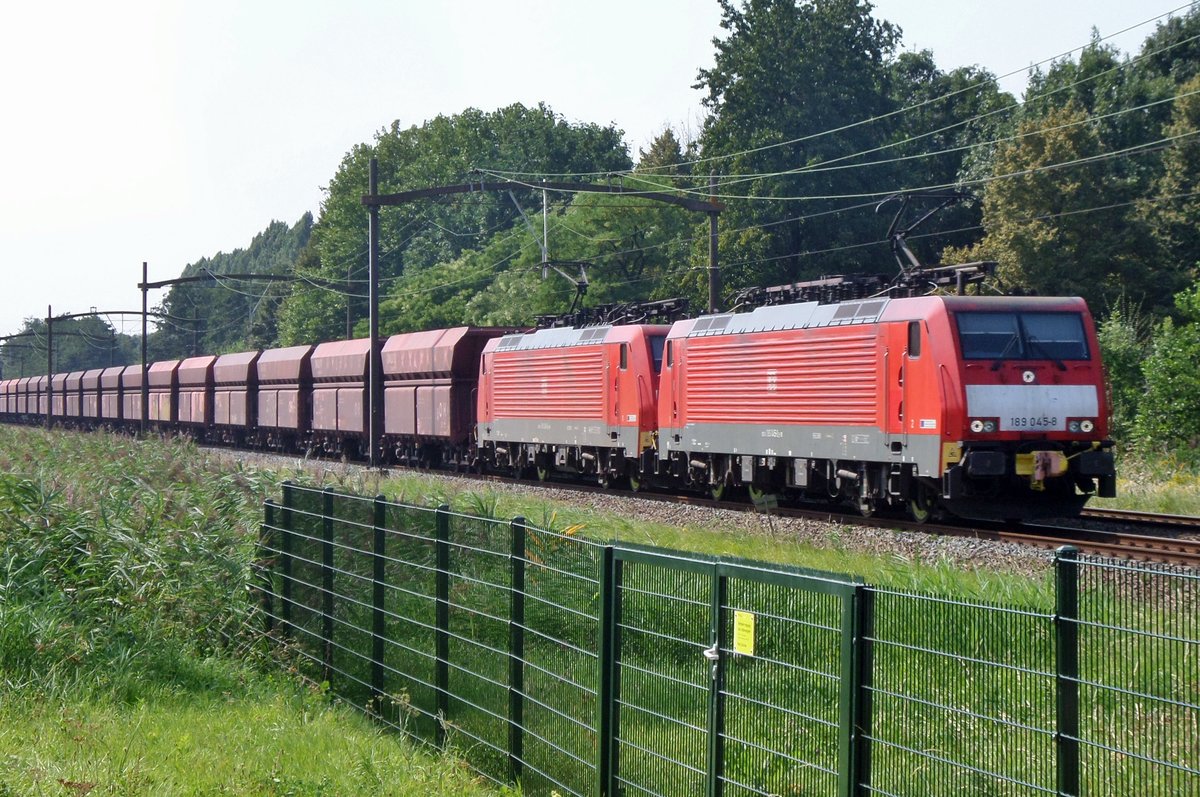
x,y
166,131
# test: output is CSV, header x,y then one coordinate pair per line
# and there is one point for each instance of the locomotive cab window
x,y
624,356
1022,336
914,339
657,343
670,353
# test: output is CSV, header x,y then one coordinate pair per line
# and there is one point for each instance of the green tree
x,y
1173,211
784,75
664,157
1043,225
939,138
1124,344
421,235
80,344
1169,415
222,315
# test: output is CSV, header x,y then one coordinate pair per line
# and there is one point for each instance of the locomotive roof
x,y
561,337
783,316
554,338
808,315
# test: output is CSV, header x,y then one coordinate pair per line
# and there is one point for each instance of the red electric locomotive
x,y
574,400
988,407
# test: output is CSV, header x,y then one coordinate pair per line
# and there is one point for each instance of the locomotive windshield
x,y
1022,336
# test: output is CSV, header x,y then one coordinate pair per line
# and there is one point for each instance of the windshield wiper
x,y
1035,343
1016,338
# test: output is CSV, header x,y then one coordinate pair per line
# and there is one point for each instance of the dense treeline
x,y
814,114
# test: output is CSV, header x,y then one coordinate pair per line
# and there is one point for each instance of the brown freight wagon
x,y
340,408
111,406
40,398
235,396
89,397
284,386
23,388
58,399
430,380
72,399
195,407
164,393
131,395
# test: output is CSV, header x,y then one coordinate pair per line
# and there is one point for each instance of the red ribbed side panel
x,y
822,377
555,384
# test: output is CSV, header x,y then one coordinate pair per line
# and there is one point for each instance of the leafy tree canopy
x,y
418,236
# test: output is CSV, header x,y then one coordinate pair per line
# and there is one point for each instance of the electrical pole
x,y
145,368
714,276
49,367
375,366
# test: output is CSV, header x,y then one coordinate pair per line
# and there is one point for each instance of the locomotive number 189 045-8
x,y
1033,422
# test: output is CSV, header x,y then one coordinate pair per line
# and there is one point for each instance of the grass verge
x,y
128,664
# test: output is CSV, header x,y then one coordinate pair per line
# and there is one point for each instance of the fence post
x,y
1066,669
716,693
609,686
864,669
378,597
516,650
848,691
327,580
441,675
266,575
285,560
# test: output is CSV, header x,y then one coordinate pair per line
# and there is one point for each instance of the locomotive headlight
x,y
984,425
976,426
1086,426
989,426
1074,426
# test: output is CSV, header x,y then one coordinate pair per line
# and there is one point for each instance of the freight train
x,y
983,407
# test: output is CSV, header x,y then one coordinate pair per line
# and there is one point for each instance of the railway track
x,y
1143,536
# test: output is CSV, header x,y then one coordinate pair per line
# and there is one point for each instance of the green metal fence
x,y
579,668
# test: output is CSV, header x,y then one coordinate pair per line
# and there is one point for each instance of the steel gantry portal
x,y
374,201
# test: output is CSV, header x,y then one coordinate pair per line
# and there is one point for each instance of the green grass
x,y
271,739
128,664
838,552
128,658
1166,485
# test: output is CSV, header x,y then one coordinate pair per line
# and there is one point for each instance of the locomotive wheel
x,y
717,491
756,494
920,504
918,509
543,473
635,482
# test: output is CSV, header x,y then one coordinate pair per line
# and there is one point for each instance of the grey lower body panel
x,y
586,433
853,443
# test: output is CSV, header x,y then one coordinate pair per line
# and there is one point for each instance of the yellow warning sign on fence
x,y
743,633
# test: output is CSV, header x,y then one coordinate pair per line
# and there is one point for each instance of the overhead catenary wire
x,y
825,166
880,117
1137,149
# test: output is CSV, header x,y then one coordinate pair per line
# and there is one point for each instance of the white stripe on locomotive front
x,y
1050,403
